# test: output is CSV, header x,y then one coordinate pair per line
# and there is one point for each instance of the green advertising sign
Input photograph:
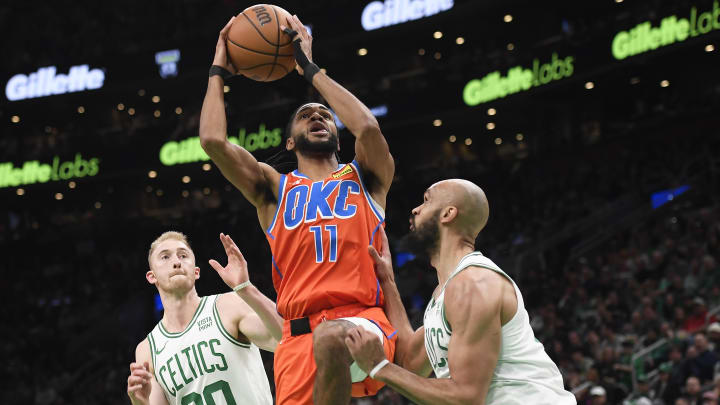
x,y
517,79
189,150
644,37
35,172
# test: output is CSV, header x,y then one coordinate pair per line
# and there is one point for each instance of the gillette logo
x,y
45,82
380,14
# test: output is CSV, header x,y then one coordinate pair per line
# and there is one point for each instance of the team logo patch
x,y
346,170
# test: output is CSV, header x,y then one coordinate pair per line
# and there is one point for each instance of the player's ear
x,y
197,272
289,143
150,277
448,214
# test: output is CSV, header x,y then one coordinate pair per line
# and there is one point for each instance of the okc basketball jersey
x,y
204,364
524,372
319,239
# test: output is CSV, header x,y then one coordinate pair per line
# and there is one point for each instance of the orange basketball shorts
x,y
295,363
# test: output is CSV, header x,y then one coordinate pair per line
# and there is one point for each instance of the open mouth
x,y
317,128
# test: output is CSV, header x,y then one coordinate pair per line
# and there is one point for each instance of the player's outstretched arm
x,y
142,387
410,347
238,165
257,316
472,354
371,148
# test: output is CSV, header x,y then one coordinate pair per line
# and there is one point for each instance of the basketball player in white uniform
x,y
476,331
205,349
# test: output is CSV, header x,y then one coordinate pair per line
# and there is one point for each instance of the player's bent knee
x,y
329,340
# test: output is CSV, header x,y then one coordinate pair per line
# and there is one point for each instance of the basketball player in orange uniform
x,y
318,220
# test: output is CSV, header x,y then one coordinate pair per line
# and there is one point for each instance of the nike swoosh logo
x,y
157,352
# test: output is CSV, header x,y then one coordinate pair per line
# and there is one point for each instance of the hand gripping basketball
x,y
302,45
221,59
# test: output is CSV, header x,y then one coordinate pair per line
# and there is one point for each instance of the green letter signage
x,y
189,150
494,85
36,172
644,37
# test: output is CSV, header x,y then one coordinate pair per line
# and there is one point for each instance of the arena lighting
x,y
45,82
508,18
189,150
517,79
644,37
661,197
32,172
379,14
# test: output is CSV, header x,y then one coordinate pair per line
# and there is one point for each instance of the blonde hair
x,y
169,235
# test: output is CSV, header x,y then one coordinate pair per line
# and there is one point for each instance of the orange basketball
x,y
257,47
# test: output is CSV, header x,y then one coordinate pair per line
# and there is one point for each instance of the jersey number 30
x,y
319,251
197,399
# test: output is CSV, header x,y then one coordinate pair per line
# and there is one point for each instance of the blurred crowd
x,y
630,319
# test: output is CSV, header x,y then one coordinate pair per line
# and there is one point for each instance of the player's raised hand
x,y
303,35
365,348
221,58
383,260
139,385
236,271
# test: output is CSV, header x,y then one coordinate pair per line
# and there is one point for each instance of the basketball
x,y
257,47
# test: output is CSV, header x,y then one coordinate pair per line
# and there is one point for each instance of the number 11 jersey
x,y
319,239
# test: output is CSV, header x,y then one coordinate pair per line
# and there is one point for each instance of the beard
x,y
424,240
313,148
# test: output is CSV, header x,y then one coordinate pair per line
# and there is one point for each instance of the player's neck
x,y
451,248
317,167
178,309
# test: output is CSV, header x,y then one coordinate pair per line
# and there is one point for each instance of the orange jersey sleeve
x,y
319,239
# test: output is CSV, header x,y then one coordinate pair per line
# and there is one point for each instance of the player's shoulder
x,y
142,351
230,306
475,285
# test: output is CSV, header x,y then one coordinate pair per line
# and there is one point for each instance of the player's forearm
x,y
213,123
265,308
352,112
395,311
429,391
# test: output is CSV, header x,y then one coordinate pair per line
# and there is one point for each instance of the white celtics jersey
x,y
524,373
205,365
